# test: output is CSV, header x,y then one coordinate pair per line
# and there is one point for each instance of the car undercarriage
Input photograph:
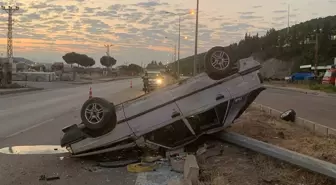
x,y
171,117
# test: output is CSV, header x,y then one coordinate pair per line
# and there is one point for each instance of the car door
x,y
199,95
151,112
173,135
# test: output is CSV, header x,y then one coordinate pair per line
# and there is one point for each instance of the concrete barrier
x,y
191,169
35,76
310,125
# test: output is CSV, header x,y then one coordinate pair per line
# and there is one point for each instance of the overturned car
x,y
171,117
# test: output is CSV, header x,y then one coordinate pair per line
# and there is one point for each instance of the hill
x,y
20,59
295,45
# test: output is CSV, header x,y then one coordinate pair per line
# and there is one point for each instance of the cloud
x,y
250,17
90,10
236,27
59,26
72,9
30,17
150,4
246,13
279,18
280,11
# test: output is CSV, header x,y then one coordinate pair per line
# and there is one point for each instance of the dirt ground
x,y
232,165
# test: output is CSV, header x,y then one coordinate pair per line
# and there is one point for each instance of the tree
x,y
135,68
80,59
70,58
107,61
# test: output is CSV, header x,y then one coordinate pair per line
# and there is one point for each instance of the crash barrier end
x,y
301,160
191,169
90,92
310,125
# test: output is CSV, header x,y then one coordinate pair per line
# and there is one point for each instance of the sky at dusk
x,y
140,30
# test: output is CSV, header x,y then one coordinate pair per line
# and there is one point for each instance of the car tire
x,y
224,67
105,118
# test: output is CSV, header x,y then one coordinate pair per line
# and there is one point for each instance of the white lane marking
x,y
29,128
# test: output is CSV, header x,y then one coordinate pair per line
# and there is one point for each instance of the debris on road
x,y
142,167
289,115
48,178
34,149
118,164
150,159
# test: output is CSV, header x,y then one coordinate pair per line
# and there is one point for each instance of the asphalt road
x,y
22,111
320,109
34,119
37,119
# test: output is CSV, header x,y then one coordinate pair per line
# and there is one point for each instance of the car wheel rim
x,y
94,113
220,60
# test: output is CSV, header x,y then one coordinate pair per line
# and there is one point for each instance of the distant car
x,y
302,76
155,80
330,76
173,116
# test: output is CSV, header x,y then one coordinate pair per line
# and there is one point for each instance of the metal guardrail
x,y
289,156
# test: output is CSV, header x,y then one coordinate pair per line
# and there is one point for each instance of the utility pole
x,y
7,71
174,52
288,19
108,53
316,53
178,50
196,39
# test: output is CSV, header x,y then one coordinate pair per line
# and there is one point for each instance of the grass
x,y
322,87
306,85
239,166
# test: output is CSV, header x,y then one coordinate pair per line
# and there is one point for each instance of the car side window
x,y
163,136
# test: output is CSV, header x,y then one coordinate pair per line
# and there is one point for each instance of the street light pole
x,y
196,38
174,52
178,51
108,48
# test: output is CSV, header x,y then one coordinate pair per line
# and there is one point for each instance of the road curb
x,y
307,124
111,80
312,92
21,91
